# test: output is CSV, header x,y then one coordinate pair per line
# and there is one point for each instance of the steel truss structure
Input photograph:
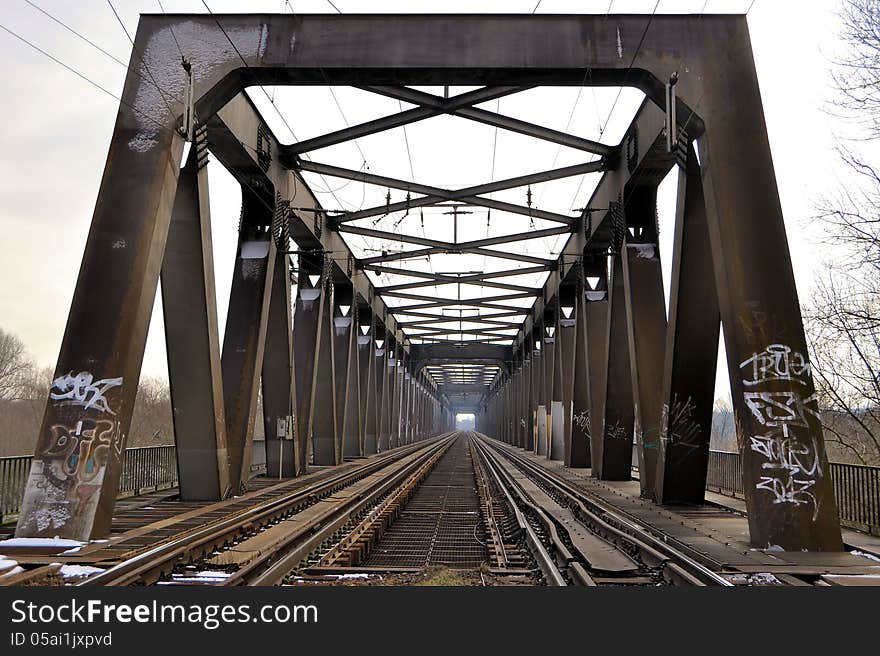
x,y
572,369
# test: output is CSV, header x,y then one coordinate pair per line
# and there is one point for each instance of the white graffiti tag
x,y
83,390
776,362
791,464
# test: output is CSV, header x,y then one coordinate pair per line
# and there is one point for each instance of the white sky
x,y
55,130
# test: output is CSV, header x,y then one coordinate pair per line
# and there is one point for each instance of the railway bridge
x,y
570,361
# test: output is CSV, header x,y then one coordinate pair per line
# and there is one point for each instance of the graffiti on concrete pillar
x,y
83,390
68,472
679,429
791,462
582,421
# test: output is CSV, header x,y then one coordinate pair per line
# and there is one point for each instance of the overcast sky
x,y
55,130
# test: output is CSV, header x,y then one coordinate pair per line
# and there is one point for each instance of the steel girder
x,y
790,500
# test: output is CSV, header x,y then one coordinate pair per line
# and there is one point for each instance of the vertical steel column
x,y
394,373
691,349
567,361
595,305
646,327
189,303
381,374
387,388
349,419
367,382
99,364
789,494
307,338
279,393
245,335
323,414
613,456
548,349
556,427
582,416
528,442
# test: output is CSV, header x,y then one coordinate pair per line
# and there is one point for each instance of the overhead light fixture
x,y
365,329
593,281
313,279
567,311
343,309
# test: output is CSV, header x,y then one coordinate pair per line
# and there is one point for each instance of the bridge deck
x,y
717,533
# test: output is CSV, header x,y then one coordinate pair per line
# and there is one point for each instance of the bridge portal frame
x,y
72,484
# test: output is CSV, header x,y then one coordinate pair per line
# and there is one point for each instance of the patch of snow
x,y
142,143
18,569
353,575
865,555
760,578
40,542
75,571
7,563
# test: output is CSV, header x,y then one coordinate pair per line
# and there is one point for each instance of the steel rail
x,y
288,554
617,522
546,563
164,554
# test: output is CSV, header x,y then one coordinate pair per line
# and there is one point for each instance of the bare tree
x,y
14,365
843,317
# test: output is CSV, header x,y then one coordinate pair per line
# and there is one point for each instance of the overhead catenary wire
x,y
141,57
97,47
84,77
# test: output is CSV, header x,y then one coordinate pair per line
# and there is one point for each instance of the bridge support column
x,y
691,349
189,303
646,327
385,370
789,493
568,346
367,382
556,447
323,413
592,360
612,459
346,369
277,377
530,367
99,364
245,336
307,338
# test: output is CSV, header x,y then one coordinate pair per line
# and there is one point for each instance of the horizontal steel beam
x,y
423,99
289,153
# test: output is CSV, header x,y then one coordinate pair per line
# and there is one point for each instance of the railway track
x,y
260,545
462,501
580,540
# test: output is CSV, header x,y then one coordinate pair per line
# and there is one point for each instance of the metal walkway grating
x,y
441,525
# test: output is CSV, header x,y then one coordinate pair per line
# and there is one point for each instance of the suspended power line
x,y
84,77
97,47
141,57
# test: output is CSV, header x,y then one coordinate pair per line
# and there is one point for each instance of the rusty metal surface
x,y
441,524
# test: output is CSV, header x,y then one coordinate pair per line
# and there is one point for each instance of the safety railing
x,y
856,488
145,469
